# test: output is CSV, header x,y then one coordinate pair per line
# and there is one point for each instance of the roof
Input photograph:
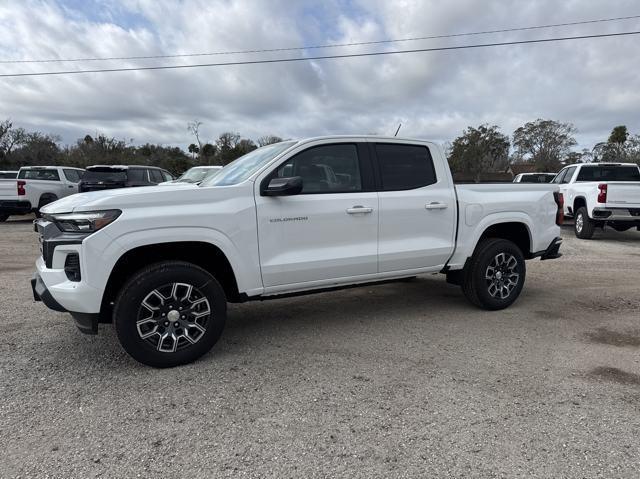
x,y
360,137
606,164
123,167
49,167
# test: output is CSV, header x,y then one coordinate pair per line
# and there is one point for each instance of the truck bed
x,y
528,203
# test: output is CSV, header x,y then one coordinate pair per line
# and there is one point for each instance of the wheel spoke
x,y
187,295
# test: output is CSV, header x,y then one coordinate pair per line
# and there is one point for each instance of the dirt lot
x,y
396,380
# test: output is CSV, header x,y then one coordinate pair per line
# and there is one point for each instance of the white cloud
x,y
591,83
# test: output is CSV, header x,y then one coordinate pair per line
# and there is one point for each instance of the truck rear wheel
x,y
169,314
583,226
495,274
3,218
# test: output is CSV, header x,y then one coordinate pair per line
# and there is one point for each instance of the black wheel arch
x,y
205,255
514,231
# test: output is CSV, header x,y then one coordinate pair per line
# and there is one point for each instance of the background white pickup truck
x,y
599,194
288,218
36,187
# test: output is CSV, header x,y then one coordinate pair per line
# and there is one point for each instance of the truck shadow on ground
x,y
395,301
609,234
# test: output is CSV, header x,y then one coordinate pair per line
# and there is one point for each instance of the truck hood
x,y
123,198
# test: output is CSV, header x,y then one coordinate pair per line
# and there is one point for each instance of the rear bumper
x,y
631,215
15,207
86,322
552,251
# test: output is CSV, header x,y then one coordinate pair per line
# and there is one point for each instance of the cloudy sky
x,y
592,83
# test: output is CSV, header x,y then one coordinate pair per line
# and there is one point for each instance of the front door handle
x,y
359,210
436,205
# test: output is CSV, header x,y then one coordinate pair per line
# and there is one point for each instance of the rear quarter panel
x,y
485,205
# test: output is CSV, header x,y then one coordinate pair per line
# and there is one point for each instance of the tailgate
x,y
8,190
624,194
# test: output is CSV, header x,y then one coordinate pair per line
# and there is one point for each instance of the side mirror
x,y
283,187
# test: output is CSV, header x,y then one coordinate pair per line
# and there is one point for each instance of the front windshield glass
x,y
194,175
239,170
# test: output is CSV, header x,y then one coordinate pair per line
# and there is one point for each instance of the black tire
x,y
583,225
501,259
3,218
153,283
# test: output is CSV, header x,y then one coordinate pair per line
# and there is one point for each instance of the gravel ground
x,y
395,380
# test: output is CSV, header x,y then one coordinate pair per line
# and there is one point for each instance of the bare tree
x,y
193,127
268,140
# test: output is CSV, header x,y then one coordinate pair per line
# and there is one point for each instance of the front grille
x,y
72,267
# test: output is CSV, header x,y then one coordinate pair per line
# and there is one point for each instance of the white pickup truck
x,y
35,187
162,262
599,194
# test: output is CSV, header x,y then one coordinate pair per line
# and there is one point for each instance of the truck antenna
x,y
399,126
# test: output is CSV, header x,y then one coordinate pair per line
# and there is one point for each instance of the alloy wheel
x,y
579,223
502,275
173,317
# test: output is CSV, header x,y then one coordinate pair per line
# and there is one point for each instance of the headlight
x,y
85,222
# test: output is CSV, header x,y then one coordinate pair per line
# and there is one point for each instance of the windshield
x,y
104,174
239,170
537,178
195,175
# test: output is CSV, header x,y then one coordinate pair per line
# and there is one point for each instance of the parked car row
x,y
32,187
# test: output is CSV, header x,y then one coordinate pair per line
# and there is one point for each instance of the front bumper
x,y
86,322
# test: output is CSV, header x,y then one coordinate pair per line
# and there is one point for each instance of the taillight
x,y
602,193
559,199
21,191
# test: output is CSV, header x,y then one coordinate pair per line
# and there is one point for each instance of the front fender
x,y
248,280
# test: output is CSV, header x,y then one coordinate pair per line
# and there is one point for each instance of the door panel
x,y
313,237
417,209
329,230
416,228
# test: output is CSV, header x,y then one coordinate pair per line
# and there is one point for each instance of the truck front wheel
x,y
584,227
495,274
169,314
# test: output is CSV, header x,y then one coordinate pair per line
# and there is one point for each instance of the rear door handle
x,y
436,205
355,210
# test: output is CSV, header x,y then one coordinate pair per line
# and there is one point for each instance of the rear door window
x,y
72,175
569,174
404,167
137,175
156,176
50,175
559,177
